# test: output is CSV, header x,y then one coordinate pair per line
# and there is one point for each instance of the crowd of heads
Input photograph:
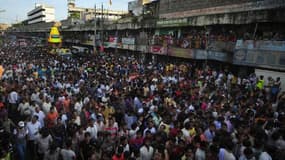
x,y
114,106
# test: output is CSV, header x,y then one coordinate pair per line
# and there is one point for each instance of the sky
x,y
16,10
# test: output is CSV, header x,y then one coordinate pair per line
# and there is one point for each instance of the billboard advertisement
x,y
267,54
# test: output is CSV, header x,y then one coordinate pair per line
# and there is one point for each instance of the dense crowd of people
x,y
120,108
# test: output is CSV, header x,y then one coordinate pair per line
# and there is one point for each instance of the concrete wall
x,y
168,6
188,8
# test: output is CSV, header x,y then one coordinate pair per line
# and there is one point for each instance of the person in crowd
x,y
67,153
43,142
21,134
33,128
52,153
51,117
146,151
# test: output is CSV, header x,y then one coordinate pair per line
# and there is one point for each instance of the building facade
x,y
41,13
243,33
87,14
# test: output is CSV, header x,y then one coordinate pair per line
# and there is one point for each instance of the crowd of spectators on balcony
x,y
202,39
117,107
194,39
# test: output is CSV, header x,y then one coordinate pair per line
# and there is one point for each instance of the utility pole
x,y
102,28
95,29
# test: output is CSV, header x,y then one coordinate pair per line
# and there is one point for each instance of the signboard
x,y
180,52
267,54
132,47
142,48
261,45
221,46
211,55
219,56
128,41
112,42
172,22
200,54
156,49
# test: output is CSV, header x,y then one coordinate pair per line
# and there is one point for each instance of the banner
x,y
261,45
267,54
221,46
180,52
128,41
212,55
112,42
156,49
172,22
142,48
219,56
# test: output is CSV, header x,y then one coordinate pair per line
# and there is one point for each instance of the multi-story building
x,y
41,13
4,26
87,14
243,32
239,32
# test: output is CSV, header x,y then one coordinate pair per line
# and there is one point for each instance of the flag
x,y
110,2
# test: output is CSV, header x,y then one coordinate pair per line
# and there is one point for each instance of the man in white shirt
x,y
78,105
46,106
24,108
33,128
41,115
13,99
146,151
92,129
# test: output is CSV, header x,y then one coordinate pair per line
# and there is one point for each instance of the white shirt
x,y
43,143
265,156
225,155
41,117
86,100
200,154
34,96
24,108
93,131
78,106
46,107
68,154
186,133
64,119
33,129
13,97
146,154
